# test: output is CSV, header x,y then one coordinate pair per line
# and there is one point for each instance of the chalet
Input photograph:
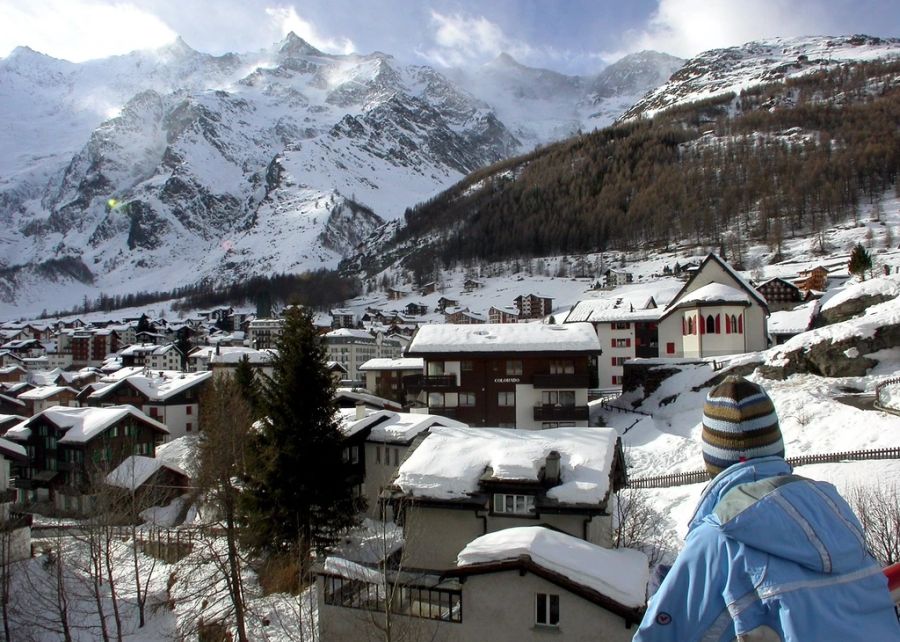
x,y
68,448
386,436
445,302
715,313
428,288
527,375
148,482
152,338
165,357
265,333
781,295
815,278
385,377
615,278
503,315
472,284
460,483
343,319
625,331
172,398
11,406
395,294
463,316
416,309
533,306
521,584
137,354
25,348
785,324
16,529
43,397
13,373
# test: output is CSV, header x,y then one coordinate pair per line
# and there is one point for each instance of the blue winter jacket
x,y
771,556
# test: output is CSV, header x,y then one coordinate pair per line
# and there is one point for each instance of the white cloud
x,y
286,20
459,40
79,30
688,27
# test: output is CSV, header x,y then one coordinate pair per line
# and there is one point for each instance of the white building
x,y
352,348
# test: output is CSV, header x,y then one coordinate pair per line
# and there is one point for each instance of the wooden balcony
x,y
429,382
560,413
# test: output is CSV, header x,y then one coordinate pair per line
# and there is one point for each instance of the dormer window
x,y
513,504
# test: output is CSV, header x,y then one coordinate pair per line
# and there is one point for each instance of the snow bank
x,y
883,286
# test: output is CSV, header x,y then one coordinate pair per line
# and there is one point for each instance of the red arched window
x,y
741,324
683,326
710,325
734,324
727,324
718,324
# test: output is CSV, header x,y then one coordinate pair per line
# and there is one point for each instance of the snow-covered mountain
x,y
734,69
158,169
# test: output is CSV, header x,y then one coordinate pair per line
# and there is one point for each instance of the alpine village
x,y
313,346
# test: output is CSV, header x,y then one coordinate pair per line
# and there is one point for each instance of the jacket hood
x,y
762,505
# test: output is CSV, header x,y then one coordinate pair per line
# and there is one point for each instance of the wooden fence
x,y
698,476
881,386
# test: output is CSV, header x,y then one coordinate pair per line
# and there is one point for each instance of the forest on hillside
x,y
779,159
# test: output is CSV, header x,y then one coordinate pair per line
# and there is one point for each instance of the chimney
x,y
360,411
551,468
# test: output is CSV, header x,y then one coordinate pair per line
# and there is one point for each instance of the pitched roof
x,y
44,392
741,282
157,388
451,462
404,363
83,424
135,470
618,574
392,427
505,337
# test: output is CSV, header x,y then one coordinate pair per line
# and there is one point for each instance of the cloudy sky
x,y
573,36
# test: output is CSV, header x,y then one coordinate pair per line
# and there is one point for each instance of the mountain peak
x,y
294,45
505,60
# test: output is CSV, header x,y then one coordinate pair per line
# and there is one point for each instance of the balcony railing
x,y
449,412
560,413
429,382
560,381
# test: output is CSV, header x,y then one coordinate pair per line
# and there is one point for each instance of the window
x,y
189,410
467,366
616,380
562,366
513,504
546,609
467,399
690,328
621,325
506,398
619,361
710,325
396,457
621,343
188,427
558,398
377,454
435,368
670,347
435,399
514,367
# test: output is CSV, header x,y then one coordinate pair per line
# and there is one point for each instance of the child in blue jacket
x,y
769,555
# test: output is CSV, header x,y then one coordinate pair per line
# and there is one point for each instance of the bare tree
x,y
636,524
878,510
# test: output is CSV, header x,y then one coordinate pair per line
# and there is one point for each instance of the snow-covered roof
x,y
349,333
138,349
882,286
44,392
451,461
738,279
505,337
619,574
792,321
357,396
714,293
83,424
135,470
406,363
159,388
180,453
237,354
9,448
610,309
393,427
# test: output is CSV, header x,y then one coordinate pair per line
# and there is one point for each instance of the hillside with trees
x,y
775,161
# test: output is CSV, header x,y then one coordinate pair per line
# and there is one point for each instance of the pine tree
x,y
299,496
249,385
860,262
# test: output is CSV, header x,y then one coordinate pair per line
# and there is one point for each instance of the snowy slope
x,y
720,71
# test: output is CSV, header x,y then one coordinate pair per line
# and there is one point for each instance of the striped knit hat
x,y
739,423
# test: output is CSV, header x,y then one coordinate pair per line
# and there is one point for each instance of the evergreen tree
x,y
860,262
299,496
249,385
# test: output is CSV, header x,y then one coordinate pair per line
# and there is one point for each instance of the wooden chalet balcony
x,y
448,412
429,382
560,381
560,413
